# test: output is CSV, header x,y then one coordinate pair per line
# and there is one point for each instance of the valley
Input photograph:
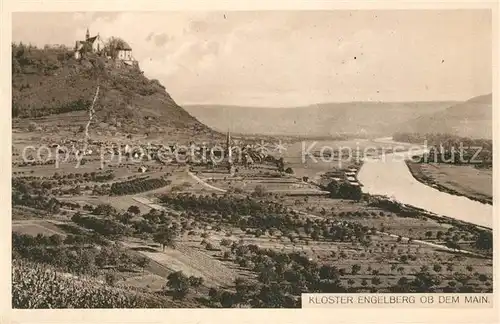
x,y
132,201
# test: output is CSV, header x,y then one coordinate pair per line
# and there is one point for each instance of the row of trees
x,y
75,253
40,202
103,226
137,186
225,205
247,213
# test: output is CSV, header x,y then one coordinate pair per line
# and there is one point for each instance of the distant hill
x,y
50,87
472,118
316,120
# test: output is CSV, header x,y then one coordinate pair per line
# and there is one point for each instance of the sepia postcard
x,y
173,162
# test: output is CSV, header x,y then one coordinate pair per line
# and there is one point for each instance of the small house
x,y
124,52
143,169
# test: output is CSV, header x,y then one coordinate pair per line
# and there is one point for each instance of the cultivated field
x,y
198,234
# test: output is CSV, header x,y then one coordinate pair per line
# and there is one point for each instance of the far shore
x,y
419,175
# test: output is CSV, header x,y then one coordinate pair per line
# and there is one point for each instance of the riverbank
x,y
391,177
438,178
406,210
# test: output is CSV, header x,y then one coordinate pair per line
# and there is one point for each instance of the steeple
x,y
87,35
228,146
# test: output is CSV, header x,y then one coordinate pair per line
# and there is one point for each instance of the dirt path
x,y
439,246
203,183
148,203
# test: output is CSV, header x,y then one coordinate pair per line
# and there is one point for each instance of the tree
x,y
452,245
403,283
226,242
355,269
214,294
227,299
428,234
143,262
437,268
111,278
424,281
112,45
242,288
328,272
259,191
56,239
104,209
179,284
134,210
484,240
76,217
166,237
195,282
126,217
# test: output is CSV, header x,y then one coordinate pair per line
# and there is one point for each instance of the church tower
x,y
87,35
228,148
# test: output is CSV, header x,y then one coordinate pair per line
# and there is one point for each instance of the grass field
x,y
462,180
35,227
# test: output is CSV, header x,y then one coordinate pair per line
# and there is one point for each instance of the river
x,y
391,177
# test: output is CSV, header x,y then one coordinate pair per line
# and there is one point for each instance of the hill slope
x,y
315,120
48,85
472,118
37,286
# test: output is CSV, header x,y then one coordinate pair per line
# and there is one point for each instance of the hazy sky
x,y
290,58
